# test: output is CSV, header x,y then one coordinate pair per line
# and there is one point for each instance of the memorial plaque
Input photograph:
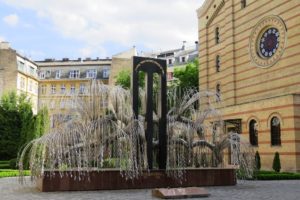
x,y
179,193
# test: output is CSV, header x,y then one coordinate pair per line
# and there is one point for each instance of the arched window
x,y
217,35
218,93
243,3
275,132
218,66
253,133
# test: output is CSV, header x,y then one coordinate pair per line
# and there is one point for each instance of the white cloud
x,y
154,24
11,20
2,39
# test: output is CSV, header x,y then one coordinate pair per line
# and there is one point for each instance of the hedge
x,y
12,173
278,176
271,175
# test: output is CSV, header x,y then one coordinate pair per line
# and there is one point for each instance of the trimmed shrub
x,y
278,176
257,161
13,164
276,163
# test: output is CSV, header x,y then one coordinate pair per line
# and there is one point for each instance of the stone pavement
x,y
244,190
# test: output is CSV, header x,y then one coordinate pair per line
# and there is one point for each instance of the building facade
x,y
176,58
59,80
249,55
18,73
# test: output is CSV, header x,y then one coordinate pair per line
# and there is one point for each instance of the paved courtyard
x,y
245,190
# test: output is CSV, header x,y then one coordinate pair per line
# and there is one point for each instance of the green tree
x,y
188,77
257,161
276,163
18,124
123,79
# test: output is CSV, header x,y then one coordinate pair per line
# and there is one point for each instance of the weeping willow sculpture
x,y
100,127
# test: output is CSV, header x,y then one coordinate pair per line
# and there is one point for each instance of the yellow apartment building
x,y
62,79
18,73
249,55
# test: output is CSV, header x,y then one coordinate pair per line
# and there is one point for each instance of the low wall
x,y
112,180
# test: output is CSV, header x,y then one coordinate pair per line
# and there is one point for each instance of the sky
x,y
40,29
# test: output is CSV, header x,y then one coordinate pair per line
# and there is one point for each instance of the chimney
x,y
183,45
4,45
197,45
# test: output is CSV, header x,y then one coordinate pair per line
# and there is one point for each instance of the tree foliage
x,y
276,163
257,161
188,77
18,124
124,79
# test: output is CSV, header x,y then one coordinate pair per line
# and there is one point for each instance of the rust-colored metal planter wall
x,y
112,180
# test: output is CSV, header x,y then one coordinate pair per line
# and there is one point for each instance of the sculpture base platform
x,y
112,180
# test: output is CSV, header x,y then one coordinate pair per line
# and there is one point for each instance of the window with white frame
x,y
82,88
22,82
31,70
91,73
52,104
74,74
105,73
42,74
62,88
62,104
73,89
183,59
30,86
57,74
43,89
21,66
36,88
48,73
53,89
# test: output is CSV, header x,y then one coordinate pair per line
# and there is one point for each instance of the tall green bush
x,y
18,124
276,163
257,161
188,77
